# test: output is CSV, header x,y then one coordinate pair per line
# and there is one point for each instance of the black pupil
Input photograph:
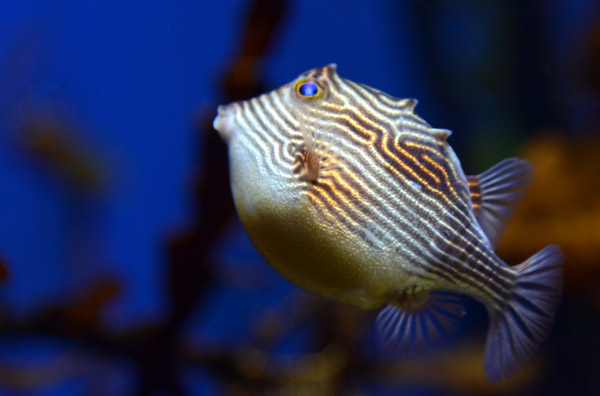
x,y
309,89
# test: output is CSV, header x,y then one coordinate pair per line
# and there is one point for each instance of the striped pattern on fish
x,y
348,193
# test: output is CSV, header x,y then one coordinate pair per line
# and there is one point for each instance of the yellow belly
x,y
307,250
308,254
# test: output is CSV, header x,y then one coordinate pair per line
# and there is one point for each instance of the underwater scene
x,y
299,197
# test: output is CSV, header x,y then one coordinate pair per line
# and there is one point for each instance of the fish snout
x,y
224,122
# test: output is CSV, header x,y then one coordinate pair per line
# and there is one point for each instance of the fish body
x,y
347,193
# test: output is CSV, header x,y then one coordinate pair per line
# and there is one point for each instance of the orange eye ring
x,y
308,89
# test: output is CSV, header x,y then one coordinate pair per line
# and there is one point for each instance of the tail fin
x,y
516,332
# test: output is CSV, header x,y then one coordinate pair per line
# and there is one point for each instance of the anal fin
x,y
411,332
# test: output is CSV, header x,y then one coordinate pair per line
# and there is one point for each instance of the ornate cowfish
x,y
347,193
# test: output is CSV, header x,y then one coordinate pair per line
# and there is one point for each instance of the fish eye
x,y
308,89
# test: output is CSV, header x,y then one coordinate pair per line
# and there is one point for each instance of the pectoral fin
x,y
495,193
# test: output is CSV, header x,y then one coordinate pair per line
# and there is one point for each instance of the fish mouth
x,y
224,122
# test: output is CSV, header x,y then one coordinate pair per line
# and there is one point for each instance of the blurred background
x,y
123,267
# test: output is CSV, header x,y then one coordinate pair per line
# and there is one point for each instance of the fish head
x,y
282,146
280,138
256,116
301,127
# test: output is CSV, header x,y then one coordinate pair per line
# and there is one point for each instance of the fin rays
x,y
411,333
317,155
516,332
495,193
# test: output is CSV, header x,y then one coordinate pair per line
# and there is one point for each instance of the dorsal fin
x,y
495,193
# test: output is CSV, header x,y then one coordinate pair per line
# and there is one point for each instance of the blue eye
x,y
308,89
